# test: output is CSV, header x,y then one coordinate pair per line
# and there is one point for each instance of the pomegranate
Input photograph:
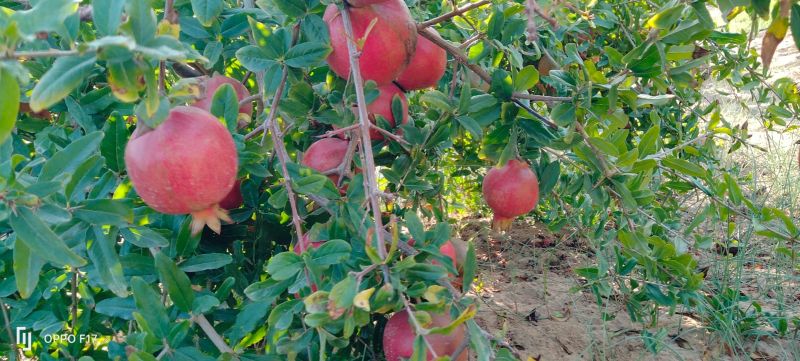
x,y
234,198
185,165
326,155
382,105
305,243
399,335
213,83
427,66
511,191
362,3
385,50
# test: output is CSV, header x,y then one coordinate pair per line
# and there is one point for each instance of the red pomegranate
x,y
385,51
185,165
326,155
382,105
304,243
234,198
362,3
213,83
510,191
399,335
427,66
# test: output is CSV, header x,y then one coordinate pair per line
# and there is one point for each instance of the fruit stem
x,y
371,183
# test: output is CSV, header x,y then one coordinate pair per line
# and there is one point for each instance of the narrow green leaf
x,y
71,157
206,11
117,307
470,125
415,226
148,304
143,237
470,267
26,269
101,212
225,105
113,145
41,240
307,54
176,282
103,253
684,166
206,262
9,103
563,114
64,76
107,15
795,24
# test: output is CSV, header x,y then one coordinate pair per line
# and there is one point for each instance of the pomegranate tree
x,y
511,191
385,32
326,155
213,83
185,165
427,66
399,335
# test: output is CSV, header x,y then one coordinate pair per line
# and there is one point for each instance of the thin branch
x,y
370,180
389,134
212,334
452,14
532,30
418,327
74,306
50,53
335,132
8,327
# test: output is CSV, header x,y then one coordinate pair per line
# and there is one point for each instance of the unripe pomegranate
x,y
385,50
234,198
427,66
185,165
382,105
326,155
213,83
399,335
510,191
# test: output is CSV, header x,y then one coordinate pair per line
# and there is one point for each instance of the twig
x,y
502,343
212,334
74,296
453,14
418,327
8,328
369,161
335,132
388,134
532,30
255,97
50,53
461,348
542,98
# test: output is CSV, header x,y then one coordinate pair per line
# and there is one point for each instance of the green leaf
x,y
666,18
206,11
268,290
307,54
176,282
654,100
143,237
255,58
415,226
292,8
141,21
71,157
64,76
225,105
27,266
795,24
281,316
526,78
470,125
655,294
331,252
684,166
117,307
284,265
206,262
113,145
563,114
470,267
502,85
107,15
41,240
342,293
44,16
100,212
103,253
9,103
149,306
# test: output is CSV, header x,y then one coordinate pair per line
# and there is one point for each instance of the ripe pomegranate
x,y
510,191
385,50
362,3
213,83
185,165
427,66
399,335
326,155
234,198
382,105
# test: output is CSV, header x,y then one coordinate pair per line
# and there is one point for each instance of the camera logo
x,y
24,338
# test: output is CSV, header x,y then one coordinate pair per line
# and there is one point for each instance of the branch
x,y
8,328
453,14
50,53
371,183
418,328
212,334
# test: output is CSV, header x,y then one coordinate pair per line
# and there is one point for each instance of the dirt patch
x,y
531,297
